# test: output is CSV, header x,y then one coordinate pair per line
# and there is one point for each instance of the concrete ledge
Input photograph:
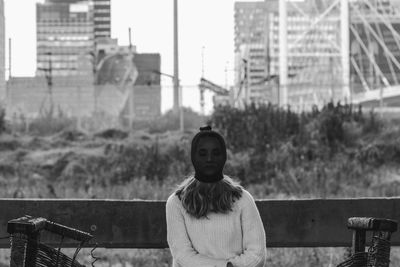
x,y
141,224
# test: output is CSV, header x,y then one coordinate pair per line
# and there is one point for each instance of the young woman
x,y
212,220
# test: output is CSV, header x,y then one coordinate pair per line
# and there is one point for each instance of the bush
x,y
2,120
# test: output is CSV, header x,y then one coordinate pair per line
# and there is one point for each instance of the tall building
x,y
257,47
251,54
250,22
253,62
102,19
314,58
67,31
2,53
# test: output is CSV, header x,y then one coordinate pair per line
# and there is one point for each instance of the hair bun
x,y
205,128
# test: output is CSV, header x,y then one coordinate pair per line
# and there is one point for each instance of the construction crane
x,y
208,85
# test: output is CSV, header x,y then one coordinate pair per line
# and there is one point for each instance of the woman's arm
x,y
179,242
254,241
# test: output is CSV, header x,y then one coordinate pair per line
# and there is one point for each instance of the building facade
x,y
251,53
257,49
81,96
314,58
102,19
67,31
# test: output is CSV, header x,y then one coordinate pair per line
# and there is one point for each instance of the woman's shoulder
x,y
246,198
173,200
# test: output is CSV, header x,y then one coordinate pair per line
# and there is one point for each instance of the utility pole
x,y
177,88
9,58
181,121
345,48
283,54
176,59
49,80
201,89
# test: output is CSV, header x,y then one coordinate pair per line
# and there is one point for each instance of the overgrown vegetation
x,y
337,151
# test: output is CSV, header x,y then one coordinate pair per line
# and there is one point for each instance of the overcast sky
x,y
205,26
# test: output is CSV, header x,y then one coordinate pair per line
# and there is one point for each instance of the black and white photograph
x,y
199,133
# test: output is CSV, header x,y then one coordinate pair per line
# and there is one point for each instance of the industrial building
x,y
82,70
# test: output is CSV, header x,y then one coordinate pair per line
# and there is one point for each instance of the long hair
x,y
199,198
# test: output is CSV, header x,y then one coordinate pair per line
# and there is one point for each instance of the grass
x,y
57,161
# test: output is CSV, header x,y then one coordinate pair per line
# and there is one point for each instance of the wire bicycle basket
x,y
28,251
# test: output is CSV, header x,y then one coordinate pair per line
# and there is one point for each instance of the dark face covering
x,y
208,156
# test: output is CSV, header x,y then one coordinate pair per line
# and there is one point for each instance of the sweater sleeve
x,y
179,242
254,241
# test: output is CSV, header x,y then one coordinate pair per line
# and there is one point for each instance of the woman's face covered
x,y
209,159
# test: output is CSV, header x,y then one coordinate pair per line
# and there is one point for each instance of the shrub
x,y
2,120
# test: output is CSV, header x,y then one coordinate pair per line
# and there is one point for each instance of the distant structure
x,y
67,31
102,19
375,23
251,53
315,56
2,53
257,48
143,101
81,70
81,95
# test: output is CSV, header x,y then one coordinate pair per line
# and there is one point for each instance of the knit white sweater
x,y
237,236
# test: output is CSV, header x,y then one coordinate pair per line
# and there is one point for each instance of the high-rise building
x,y
257,46
67,31
250,22
102,19
314,53
251,54
2,53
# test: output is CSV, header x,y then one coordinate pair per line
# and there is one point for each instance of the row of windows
x,y
66,23
101,32
68,38
67,72
309,37
251,9
61,21
57,54
103,2
64,30
43,50
103,11
300,28
256,70
65,43
46,58
102,23
58,65
102,26
102,5
102,15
